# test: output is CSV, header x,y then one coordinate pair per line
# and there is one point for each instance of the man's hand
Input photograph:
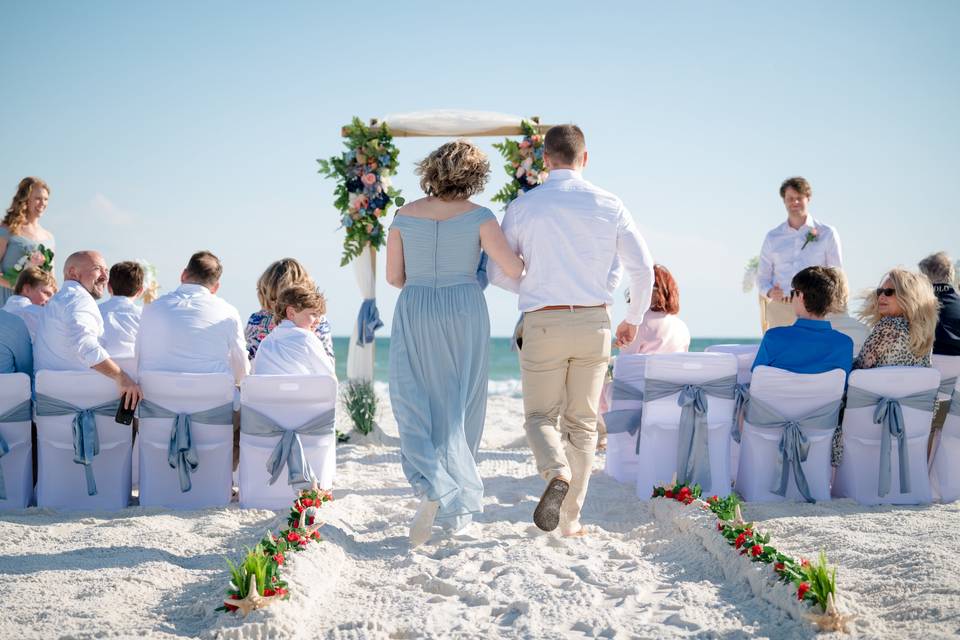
x,y
129,391
776,294
626,333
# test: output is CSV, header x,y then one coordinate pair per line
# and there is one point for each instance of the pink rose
x,y
37,259
369,179
814,232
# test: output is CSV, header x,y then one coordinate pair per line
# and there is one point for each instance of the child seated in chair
x,y
121,314
809,345
293,347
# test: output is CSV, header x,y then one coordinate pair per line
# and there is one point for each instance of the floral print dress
x,y
261,323
888,345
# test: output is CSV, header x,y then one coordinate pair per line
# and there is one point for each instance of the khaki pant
x,y
563,362
775,314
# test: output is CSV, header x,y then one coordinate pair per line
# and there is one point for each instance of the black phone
x,y
124,416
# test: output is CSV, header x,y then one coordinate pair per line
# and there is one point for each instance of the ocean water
x,y
504,366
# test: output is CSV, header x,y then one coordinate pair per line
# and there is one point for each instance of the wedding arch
x,y
364,193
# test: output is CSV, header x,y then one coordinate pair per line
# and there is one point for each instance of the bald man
x,y
68,335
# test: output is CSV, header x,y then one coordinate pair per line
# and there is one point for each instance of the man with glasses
x,y
809,345
799,242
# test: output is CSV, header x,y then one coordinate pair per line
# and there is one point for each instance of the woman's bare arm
x,y
396,273
495,244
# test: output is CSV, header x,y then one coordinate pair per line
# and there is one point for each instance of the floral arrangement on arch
x,y
524,162
41,257
364,192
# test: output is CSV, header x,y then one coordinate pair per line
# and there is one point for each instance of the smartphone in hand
x,y
124,415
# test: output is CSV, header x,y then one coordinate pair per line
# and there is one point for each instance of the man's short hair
x,y
126,279
204,268
300,296
34,277
938,268
798,184
841,291
564,143
819,289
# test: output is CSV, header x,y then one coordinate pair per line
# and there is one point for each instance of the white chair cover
x,y
657,460
746,354
212,483
945,463
61,482
621,447
793,395
858,474
949,368
291,401
16,464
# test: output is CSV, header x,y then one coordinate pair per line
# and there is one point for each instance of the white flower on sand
x,y
750,273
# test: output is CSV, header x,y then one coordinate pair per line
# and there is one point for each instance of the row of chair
x,y
771,435
184,450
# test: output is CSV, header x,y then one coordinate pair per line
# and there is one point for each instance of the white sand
x,y
644,573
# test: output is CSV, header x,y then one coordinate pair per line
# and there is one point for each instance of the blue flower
x,y
347,221
384,159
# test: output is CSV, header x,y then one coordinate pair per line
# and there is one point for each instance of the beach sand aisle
x,y
152,573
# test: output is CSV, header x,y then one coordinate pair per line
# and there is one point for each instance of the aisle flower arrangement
x,y
256,582
814,582
524,164
363,194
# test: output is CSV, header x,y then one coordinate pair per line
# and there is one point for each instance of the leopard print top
x,y
888,345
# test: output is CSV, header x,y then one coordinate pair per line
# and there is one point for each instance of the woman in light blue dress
x,y
20,232
439,345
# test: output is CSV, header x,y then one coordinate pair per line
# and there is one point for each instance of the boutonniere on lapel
x,y
812,236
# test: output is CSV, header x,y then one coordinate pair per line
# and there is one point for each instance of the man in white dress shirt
x,y
190,329
121,314
33,288
293,348
789,248
570,234
68,335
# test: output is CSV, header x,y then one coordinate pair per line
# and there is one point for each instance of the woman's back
x,y
441,252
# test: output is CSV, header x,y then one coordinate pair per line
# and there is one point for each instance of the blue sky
x,y
168,127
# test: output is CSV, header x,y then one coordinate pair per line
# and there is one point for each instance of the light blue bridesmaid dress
x,y
17,247
439,350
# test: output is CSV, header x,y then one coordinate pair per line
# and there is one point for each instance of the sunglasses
x,y
886,292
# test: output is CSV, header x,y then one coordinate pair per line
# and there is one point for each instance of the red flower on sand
x,y
779,567
278,558
802,590
668,494
804,563
756,550
269,592
739,541
719,526
307,502
293,536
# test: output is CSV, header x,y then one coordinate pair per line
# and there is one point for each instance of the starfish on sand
x,y
253,600
832,619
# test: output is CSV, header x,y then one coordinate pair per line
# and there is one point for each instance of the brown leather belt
x,y
568,307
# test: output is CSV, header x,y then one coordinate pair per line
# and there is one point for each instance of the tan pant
x,y
563,363
775,314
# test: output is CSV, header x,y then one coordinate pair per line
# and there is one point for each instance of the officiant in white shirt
x,y
70,327
800,242
570,234
191,329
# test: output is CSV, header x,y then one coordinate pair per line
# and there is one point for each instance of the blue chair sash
x,y
625,420
954,407
947,385
888,413
19,413
741,396
86,440
181,452
693,453
793,445
289,451
368,321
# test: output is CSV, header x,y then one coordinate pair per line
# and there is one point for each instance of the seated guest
x,y
279,276
810,344
839,316
661,331
16,349
293,346
940,271
33,288
903,315
68,335
190,329
121,315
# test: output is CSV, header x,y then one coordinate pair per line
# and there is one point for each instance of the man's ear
x,y
586,157
215,287
183,276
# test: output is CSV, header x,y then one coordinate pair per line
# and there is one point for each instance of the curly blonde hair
x,y
300,296
17,212
280,275
455,171
920,307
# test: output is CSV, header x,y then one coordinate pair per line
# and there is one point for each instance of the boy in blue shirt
x,y
810,345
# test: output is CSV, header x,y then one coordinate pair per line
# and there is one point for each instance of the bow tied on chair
x,y
625,420
289,450
741,396
19,413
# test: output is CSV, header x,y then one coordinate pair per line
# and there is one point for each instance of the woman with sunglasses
x,y
902,312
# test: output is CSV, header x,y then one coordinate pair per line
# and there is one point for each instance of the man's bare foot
x,y
579,533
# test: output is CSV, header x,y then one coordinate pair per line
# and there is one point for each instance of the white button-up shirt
x,y
190,330
121,319
68,335
571,234
290,350
783,254
23,308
